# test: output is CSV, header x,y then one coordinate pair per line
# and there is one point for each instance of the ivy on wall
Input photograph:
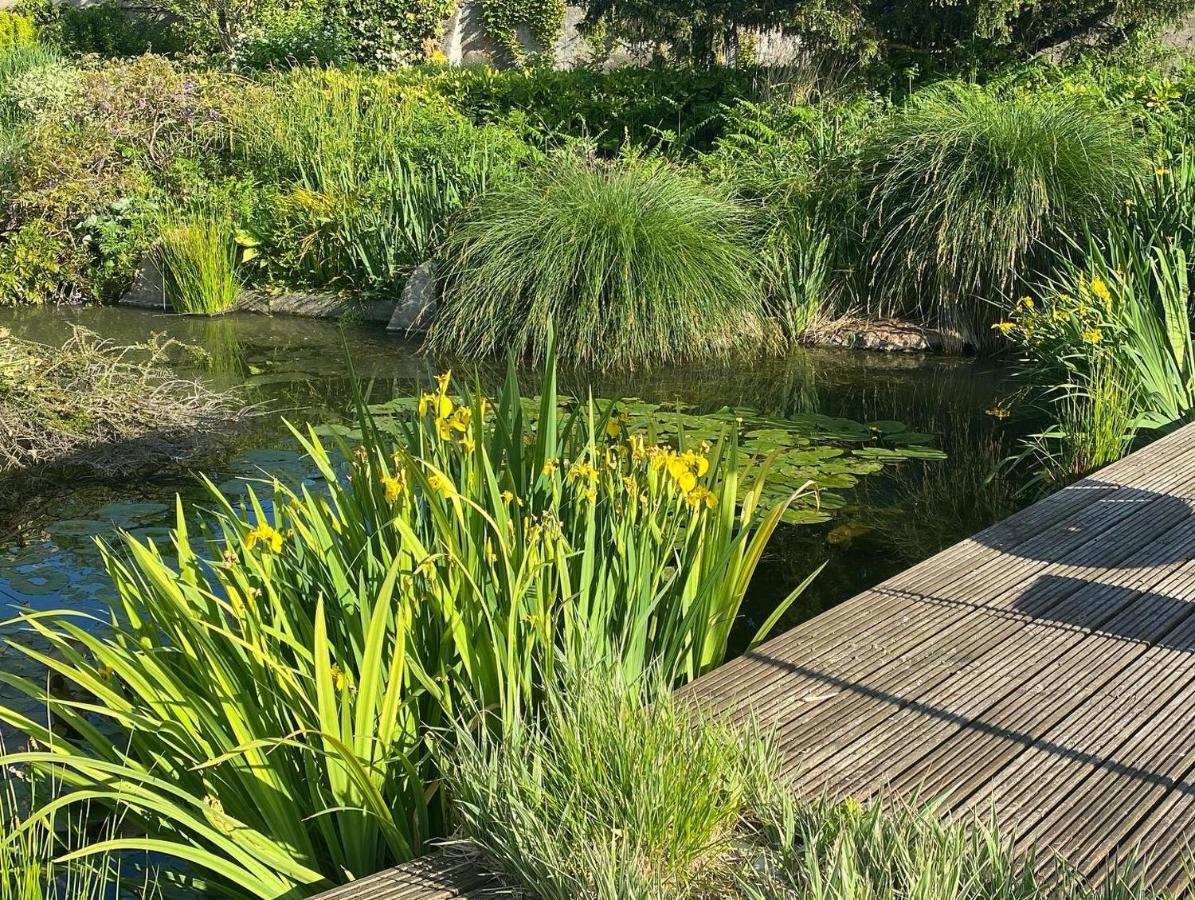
x,y
385,33
543,19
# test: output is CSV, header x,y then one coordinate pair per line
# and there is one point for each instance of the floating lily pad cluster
x,y
833,453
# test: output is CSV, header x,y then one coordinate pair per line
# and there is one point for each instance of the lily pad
x,y
77,528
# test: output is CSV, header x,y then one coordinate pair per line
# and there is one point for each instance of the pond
x,y
299,369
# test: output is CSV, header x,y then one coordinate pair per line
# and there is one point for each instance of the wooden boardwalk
x,y
1041,672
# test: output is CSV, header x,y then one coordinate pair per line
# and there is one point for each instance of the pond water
x,y
912,506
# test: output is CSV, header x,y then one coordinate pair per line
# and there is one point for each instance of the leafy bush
x,y
197,254
299,35
960,186
264,711
635,263
121,136
672,107
35,80
16,29
104,28
391,32
367,171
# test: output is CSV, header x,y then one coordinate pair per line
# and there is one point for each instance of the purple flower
x,y
213,115
105,106
189,86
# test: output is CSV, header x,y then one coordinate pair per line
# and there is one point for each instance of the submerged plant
x,y
197,254
633,262
261,704
960,186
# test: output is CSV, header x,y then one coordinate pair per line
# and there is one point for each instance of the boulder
x,y
417,306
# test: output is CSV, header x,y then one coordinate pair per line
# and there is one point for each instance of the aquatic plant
x,y
633,262
1108,337
263,710
961,184
30,851
197,255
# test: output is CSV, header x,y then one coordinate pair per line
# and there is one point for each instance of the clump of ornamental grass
x,y
961,186
633,262
613,791
262,701
93,406
893,850
197,255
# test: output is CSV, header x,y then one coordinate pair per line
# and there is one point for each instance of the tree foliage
x,y
940,35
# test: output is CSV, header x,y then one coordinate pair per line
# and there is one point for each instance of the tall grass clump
x,y
615,791
961,186
789,160
365,174
32,851
634,262
262,702
197,255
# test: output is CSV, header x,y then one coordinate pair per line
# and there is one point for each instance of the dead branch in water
x,y
106,409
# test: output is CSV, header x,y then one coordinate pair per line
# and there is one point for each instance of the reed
x,y
197,255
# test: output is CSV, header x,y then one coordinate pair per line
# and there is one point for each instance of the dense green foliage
x,y
960,187
894,38
363,174
615,792
264,711
634,263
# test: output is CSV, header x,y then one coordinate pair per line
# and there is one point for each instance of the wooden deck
x,y
1042,671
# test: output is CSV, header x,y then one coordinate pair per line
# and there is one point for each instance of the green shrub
x,y
386,33
37,266
16,29
298,35
197,255
673,107
264,711
634,262
961,186
366,173
109,30
791,160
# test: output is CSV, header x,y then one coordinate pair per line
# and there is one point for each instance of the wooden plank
x,y
894,624
440,876
1030,657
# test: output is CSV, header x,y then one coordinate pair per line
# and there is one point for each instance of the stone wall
x,y
465,42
